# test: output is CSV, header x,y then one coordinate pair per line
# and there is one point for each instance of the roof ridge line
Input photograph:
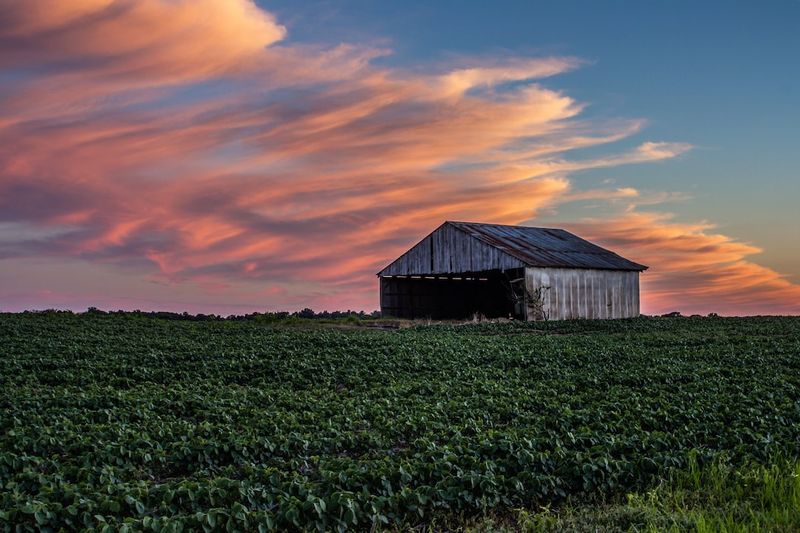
x,y
506,225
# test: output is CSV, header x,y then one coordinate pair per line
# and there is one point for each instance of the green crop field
x,y
122,422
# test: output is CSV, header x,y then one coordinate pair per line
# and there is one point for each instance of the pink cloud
x,y
153,40
693,269
183,142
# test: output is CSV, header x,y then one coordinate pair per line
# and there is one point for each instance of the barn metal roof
x,y
546,247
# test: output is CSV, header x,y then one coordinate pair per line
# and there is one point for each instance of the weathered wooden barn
x,y
463,268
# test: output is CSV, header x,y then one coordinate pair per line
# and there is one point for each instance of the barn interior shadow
x,y
490,293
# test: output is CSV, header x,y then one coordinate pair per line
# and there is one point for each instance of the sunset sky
x,y
227,156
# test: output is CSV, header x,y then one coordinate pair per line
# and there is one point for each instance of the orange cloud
x,y
179,141
147,39
692,269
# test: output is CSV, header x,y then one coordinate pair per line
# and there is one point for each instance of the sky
x,y
225,156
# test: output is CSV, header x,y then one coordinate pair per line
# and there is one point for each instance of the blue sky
x,y
722,76
230,156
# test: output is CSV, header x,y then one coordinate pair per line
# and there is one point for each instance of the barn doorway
x,y
489,293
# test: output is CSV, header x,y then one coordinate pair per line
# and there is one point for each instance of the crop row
x,y
119,423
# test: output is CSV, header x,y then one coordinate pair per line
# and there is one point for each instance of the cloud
x,y
187,144
457,82
692,268
145,39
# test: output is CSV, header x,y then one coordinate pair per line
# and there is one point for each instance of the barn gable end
x,y
450,250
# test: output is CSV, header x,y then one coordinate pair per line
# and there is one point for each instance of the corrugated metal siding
x,y
584,293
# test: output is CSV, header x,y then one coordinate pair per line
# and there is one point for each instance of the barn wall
x,y
583,293
449,250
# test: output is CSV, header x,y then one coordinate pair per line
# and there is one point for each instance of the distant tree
x,y
306,313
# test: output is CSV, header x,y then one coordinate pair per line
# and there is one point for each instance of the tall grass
x,y
716,497
722,498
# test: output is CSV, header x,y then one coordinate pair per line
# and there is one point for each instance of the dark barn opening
x,y
489,293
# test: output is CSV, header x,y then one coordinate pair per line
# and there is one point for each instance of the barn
x,y
464,268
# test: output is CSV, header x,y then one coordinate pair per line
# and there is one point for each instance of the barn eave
x,y
518,247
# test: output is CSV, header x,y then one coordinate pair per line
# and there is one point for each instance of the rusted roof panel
x,y
546,247
457,247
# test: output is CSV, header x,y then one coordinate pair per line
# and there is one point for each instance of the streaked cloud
x,y
693,268
457,82
149,40
186,144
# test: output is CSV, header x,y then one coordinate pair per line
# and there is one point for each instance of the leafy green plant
x,y
119,422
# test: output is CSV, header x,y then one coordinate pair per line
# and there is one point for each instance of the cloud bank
x,y
184,143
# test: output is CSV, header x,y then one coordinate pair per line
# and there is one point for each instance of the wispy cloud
x,y
184,142
693,268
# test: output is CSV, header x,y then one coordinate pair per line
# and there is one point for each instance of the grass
x,y
713,498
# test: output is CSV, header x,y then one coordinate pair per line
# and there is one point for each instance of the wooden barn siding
x,y
450,251
585,293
